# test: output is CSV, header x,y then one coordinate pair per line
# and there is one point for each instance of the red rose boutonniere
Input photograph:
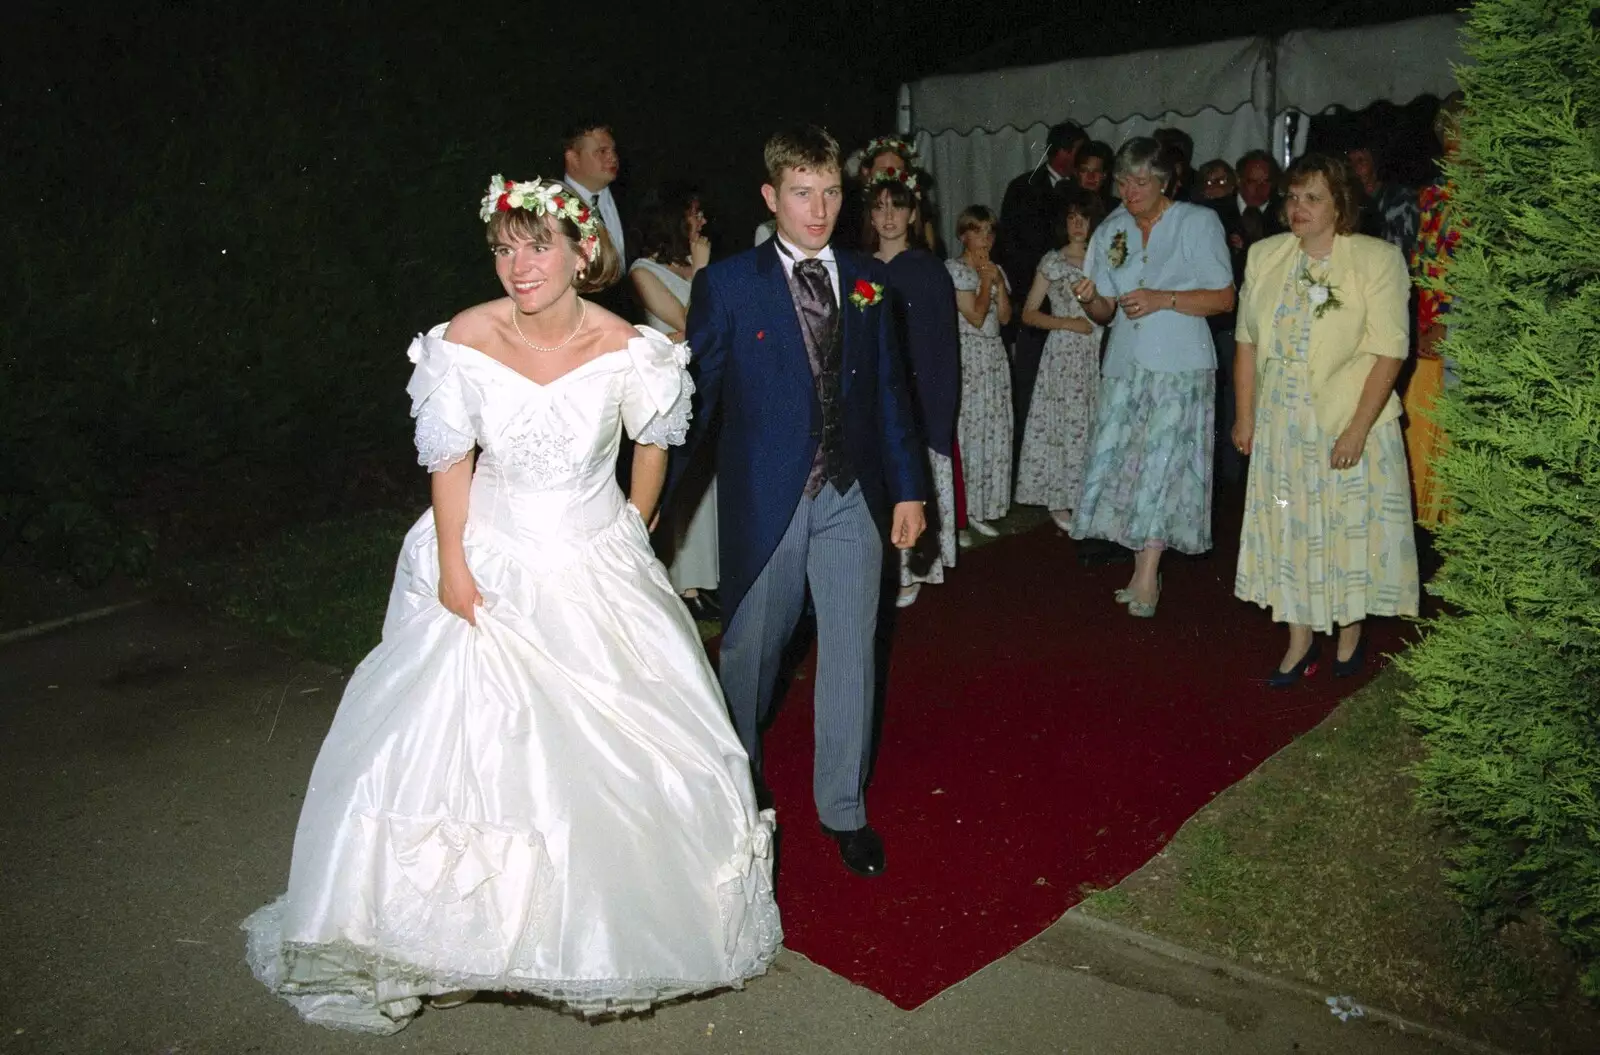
x,y
866,294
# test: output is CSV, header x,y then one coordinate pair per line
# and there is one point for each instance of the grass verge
x,y
1318,867
323,587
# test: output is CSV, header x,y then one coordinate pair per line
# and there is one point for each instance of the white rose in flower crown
x,y
515,199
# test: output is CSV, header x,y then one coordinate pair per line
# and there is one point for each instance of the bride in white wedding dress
x,y
531,785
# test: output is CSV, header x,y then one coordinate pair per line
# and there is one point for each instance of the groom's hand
x,y
909,522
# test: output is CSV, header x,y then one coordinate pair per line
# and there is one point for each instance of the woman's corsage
x,y
1118,253
1322,293
866,294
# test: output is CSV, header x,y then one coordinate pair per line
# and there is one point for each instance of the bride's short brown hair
x,y
808,147
600,273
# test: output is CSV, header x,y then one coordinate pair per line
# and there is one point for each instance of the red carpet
x,y
1035,739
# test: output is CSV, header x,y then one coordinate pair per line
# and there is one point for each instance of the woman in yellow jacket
x,y
1322,333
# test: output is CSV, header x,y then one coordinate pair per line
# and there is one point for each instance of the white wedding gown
x,y
554,801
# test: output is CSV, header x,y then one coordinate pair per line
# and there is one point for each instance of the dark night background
x,y
223,222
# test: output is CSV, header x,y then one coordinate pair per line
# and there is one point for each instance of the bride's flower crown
x,y
544,198
905,177
893,145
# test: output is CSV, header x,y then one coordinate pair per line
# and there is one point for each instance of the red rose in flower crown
x,y
866,294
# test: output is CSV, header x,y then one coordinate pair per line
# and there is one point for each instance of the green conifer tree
x,y
1508,685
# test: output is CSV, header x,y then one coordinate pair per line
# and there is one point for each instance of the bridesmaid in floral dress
x,y
983,428
1055,442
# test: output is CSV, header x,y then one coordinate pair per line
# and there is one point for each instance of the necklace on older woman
x,y
1147,225
582,308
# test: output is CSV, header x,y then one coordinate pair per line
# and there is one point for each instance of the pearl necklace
x,y
583,308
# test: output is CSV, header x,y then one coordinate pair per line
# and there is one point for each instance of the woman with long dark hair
x,y
925,307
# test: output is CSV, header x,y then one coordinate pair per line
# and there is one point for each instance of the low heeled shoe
x,y
1282,679
1349,668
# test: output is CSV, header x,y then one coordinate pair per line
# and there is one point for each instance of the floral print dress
x,y
1055,441
1321,547
983,427
1430,261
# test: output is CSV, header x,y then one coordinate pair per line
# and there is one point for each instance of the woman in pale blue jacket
x,y
1156,269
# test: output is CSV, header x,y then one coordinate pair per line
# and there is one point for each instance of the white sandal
x,y
445,1001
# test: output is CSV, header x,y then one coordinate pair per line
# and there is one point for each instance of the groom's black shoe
x,y
861,850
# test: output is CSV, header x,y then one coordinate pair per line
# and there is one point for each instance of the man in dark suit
x,y
1027,226
794,341
1250,214
1255,211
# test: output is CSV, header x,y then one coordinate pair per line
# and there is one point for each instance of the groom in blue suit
x,y
794,342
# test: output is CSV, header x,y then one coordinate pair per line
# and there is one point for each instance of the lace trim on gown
x,y
375,989
663,370
440,444
444,432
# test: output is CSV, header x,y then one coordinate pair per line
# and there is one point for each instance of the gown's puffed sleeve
x,y
439,401
656,400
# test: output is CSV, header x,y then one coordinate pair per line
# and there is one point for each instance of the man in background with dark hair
x,y
1256,207
1248,215
589,154
1027,223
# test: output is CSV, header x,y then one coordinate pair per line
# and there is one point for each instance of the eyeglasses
x,y
1218,181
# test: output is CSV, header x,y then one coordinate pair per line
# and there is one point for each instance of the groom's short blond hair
x,y
807,147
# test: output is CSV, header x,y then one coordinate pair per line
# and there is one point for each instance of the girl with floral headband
x,y
887,153
531,784
891,158
924,301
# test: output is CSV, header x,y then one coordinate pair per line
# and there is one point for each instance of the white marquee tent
x,y
976,131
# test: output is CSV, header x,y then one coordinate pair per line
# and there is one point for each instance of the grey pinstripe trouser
x,y
832,543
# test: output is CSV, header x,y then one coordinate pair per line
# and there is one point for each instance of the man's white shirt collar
x,y
605,205
789,253
589,196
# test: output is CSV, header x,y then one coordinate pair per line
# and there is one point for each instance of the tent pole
x,y
1272,90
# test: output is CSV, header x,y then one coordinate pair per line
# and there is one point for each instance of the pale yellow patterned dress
x,y
1321,546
